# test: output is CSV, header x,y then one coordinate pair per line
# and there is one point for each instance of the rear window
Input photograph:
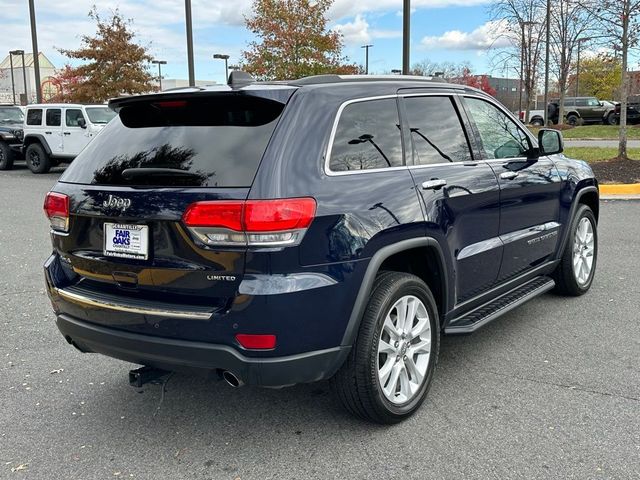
x,y
210,142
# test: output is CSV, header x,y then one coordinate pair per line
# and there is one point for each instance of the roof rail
x,y
333,78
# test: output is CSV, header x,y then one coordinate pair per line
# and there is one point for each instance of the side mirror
x,y
550,141
82,123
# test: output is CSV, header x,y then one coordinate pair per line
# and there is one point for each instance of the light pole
x,y
24,73
580,41
546,69
189,25
13,83
222,56
36,57
406,31
366,57
522,50
159,63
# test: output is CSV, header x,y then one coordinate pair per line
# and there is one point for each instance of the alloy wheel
x,y
583,251
404,350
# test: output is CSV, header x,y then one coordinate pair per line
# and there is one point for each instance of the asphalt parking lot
x,y
551,390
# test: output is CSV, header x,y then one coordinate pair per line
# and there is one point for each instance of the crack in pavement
x,y
562,385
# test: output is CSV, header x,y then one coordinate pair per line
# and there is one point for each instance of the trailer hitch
x,y
146,374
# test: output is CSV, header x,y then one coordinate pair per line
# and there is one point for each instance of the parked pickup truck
x,y
536,117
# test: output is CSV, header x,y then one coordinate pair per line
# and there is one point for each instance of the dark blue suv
x,y
324,228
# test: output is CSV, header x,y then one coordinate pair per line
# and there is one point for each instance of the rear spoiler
x,y
276,93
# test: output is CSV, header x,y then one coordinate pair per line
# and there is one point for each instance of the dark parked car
x,y
633,110
582,110
11,135
324,228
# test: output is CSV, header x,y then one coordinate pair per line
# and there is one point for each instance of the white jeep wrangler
x,y
56,133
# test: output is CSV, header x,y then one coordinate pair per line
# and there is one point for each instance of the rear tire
x,y
389,370
6,157
37,159
574,275
573,120
537,122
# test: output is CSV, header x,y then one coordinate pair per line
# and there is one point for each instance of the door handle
x,y
67,133
508,175
47,133
434,184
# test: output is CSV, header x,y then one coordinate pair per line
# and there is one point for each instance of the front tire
x,y
388,373
574,275
537,122
611,119
6,157
37,159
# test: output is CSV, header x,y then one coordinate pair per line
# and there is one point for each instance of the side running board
x,y
470,322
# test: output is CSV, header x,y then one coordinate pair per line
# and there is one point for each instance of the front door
x,y
75,136
529,189
461,195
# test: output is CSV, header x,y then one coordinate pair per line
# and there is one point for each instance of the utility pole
x,y
366,57
36,53
406,36
546,64
187,13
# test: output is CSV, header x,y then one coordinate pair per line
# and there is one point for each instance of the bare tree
x,y
427,68
619,22
571,24
523,22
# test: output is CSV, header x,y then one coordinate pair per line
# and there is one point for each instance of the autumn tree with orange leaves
x,y
293,41
114,64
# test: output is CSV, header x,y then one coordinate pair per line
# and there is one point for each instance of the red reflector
x,y
56,205
223,214
278,215
256,342
252,215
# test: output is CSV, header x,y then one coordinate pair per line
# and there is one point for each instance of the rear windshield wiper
x,y
131,173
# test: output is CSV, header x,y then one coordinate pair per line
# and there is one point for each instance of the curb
x,y
620,189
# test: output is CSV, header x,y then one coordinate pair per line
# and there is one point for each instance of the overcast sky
x,y
453,30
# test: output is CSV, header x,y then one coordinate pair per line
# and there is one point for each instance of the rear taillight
x,y
56,207
269,223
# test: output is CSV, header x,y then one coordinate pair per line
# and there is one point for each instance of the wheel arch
x,y
36,138
399,257
589,196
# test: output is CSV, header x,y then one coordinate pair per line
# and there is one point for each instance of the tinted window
x,y
569,103
368,136
34,116
436,130
72,117
500,136
53,117
209,141
581,102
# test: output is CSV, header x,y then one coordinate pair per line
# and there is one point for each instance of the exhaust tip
x,y
231,379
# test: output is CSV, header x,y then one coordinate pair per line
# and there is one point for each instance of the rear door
x,y
529,189
460,193
53,130
75,137
130,188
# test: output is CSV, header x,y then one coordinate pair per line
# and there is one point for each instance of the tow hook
x,y
142,375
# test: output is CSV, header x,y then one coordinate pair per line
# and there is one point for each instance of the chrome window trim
x,y
334,128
